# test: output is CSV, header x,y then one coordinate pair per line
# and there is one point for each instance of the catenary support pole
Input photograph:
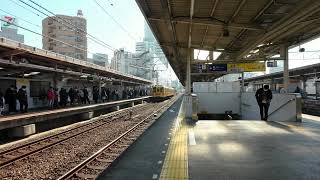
x,y
285,55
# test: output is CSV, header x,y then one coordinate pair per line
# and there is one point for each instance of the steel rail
x,y
48,137
13,158
84,163
44,147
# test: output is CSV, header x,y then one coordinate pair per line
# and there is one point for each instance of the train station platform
x,y
222,149
35,117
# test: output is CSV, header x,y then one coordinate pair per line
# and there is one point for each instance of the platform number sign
x,y
272,64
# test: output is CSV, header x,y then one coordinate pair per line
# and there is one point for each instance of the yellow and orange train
x,y
161,92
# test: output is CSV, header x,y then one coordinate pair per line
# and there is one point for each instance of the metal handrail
x,y
282,106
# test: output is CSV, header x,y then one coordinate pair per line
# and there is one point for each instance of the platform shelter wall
x,y
217,97
286,103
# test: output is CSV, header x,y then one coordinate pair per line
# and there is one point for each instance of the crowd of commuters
x,y
61,98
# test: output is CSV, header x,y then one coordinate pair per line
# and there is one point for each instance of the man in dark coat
x,y
108,94
264,96
95,94
72,95
23,99
86,95
1,102
11,99
63,97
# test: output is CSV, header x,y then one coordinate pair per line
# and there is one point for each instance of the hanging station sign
x,y
246,67
217,67
233,67
254,67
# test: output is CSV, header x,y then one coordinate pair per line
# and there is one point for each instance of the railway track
x,y
91,167
19,152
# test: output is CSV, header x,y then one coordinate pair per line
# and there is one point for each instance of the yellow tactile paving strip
x,y
175,165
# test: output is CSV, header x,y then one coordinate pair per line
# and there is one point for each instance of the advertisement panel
x,y
8,22
234,67
254,67
246,67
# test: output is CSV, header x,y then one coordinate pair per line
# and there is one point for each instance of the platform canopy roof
x,y
243,30
17,59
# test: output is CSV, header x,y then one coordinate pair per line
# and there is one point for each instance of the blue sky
x,y
99,24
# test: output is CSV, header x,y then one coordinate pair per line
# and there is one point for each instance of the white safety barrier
x,y
217,98
218,103
283,107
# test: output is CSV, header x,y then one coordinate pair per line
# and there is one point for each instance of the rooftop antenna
x,y
80,14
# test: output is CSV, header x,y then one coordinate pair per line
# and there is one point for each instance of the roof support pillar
x,y
304,83
188,74
285,56
188,96
211,56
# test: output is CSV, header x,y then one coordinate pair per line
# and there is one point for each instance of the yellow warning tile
x,y
175,165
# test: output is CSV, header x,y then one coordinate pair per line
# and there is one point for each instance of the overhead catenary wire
x,y
110,2
26,29
27,9
114,20
76,28
19,18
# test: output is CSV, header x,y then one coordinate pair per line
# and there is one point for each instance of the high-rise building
x,y
9,31
73,39
151,45
137,64
99,59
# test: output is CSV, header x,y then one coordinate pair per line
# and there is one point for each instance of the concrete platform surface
x,y
245,150
144,159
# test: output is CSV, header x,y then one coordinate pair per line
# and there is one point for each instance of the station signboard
x,y
234,67
201,68
272,64
246,67
217,67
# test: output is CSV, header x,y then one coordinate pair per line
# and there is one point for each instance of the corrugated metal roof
x,y
249,23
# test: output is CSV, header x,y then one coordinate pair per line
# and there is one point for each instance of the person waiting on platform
x,y
1,103
86,96
95,94
108,94
11,99
263,97
72,95
63,97
124,94
50,96
56,98
298,90
23,99
103,94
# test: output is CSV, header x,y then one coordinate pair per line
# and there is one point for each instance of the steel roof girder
x,y
304,10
